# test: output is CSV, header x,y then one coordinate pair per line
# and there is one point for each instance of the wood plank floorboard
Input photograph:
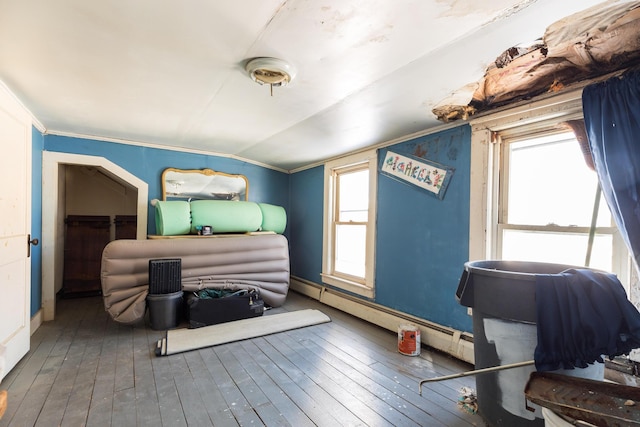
x,y
193,406
231,394
147,409
358,397
302,397
216,406
335,410
171,412
270,389
365,374
255,397
83,369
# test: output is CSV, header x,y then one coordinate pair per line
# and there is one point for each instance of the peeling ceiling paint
x,y
589,44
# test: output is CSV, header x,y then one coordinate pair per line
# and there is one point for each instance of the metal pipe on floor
x,y
475,372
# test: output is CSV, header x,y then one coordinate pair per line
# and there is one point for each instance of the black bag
x,y
213,306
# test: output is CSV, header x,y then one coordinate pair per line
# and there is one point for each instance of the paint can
x,y
409,340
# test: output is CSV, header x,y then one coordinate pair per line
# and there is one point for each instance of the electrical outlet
x,y
469,311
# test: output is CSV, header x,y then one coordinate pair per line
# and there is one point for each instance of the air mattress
x,y
260,261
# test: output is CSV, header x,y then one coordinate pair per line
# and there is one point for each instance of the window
x,y
349,223
546,201
532,195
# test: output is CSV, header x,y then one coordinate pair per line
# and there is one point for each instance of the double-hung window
x,y
349,223
549,207
533,196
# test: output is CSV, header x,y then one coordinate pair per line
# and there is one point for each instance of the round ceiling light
x,y
270,71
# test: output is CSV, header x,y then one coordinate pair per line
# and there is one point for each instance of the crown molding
x,y
161,147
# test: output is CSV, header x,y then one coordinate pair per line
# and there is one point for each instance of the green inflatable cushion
x,y
173,218
225,216
274,218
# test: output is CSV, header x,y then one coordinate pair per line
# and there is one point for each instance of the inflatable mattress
x,y
249,261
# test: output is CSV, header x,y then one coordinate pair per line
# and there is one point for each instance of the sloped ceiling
x,y
171,73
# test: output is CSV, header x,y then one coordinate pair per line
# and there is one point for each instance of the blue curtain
x,y
612,120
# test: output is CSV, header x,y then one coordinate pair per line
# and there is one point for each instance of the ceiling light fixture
x,y
270,71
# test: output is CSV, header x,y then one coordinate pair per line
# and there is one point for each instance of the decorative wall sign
x,y
423,173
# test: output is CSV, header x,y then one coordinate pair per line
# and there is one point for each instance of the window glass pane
x,y
550,183
351,249
557,248
353,196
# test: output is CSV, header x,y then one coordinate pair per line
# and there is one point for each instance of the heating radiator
x,y
456,343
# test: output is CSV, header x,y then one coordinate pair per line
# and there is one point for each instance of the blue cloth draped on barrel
x,y
582,314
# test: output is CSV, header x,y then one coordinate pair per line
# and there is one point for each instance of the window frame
x,y
528,120
366,286
503,223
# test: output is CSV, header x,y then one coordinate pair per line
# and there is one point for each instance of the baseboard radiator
x,y
456,343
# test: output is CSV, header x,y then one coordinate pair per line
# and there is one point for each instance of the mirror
x,y
203,184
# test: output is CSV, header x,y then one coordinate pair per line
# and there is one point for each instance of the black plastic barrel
x,y
502,296
165,310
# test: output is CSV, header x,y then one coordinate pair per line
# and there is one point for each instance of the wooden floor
x,y
84,369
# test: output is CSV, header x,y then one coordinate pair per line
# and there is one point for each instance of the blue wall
x,y
265,185
422,242
305,238
37,143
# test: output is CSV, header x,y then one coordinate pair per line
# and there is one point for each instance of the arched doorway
x,y
53,164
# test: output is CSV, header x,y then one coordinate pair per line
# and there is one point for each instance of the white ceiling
x,y
170,72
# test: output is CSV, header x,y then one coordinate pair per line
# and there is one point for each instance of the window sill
x,y
348,285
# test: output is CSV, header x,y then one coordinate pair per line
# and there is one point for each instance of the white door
x,y
15,222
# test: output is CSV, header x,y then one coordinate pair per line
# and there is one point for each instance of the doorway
x,y
54,212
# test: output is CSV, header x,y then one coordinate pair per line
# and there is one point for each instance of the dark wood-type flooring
x,y
86,370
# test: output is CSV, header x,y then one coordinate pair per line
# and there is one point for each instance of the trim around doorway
x,y
53,215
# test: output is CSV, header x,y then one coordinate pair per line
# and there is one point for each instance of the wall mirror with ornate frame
x,y
203,184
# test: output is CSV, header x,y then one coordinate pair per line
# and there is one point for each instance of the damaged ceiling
x,y
589,44
172,73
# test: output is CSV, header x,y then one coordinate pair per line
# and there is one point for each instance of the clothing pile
x,y
582,315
